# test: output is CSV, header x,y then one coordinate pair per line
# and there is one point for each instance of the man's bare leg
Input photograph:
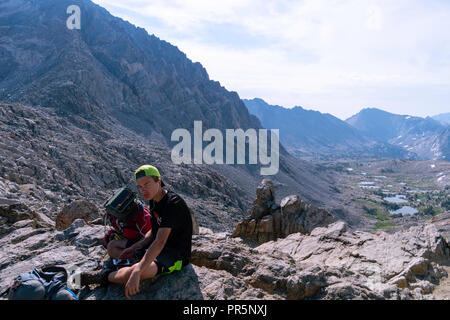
x,y
122,275
115,248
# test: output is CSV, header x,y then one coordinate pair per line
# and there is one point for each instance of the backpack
x,y
46,283
123,211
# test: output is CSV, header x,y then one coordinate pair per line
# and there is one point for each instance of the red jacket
x,y
135,228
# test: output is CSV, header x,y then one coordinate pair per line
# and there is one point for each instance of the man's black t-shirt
x,y
172,212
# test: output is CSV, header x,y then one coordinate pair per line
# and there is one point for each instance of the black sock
x,y
105,274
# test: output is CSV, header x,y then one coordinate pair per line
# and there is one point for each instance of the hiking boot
x,y
94,277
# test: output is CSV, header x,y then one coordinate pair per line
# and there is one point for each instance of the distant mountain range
x,y
426,137
372,133
443,118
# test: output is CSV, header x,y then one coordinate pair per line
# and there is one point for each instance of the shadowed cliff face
x,y
108,66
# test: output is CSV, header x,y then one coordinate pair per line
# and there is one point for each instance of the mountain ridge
x,y
310,133
443,118
427,137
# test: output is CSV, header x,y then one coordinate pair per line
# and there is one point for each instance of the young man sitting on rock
x,y
168,244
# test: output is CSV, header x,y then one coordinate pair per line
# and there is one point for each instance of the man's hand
x,y
128,253
132,286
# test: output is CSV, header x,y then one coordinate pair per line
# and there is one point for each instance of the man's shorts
x,y
167,261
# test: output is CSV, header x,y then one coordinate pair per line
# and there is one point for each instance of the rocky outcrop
x,y
269,221
79,209
18,215
332,262
379,263
27,247
183,285
442,223
195,226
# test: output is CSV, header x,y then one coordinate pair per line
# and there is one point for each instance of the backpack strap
x,y
55,278
51,270
73,294
33,275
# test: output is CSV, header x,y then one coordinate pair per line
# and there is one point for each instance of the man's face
x,y
148,187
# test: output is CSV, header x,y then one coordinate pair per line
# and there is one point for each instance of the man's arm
x,y
144,241
155,249
128,252
132,286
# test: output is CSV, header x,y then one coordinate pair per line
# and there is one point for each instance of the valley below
x,y
391,194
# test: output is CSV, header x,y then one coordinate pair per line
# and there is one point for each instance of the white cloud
x,y
316,52
375,18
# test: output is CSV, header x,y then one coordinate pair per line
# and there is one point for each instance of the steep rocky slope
x,y
107,66
49,161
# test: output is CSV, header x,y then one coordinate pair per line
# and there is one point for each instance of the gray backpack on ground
x,y
47,283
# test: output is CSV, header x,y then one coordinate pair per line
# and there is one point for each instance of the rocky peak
x,y
270,221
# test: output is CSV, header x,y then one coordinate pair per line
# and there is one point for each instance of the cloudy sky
x,y
334,56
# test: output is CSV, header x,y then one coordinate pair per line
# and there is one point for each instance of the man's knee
x,y
110,246
123,274
149,271
111,252
115,247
